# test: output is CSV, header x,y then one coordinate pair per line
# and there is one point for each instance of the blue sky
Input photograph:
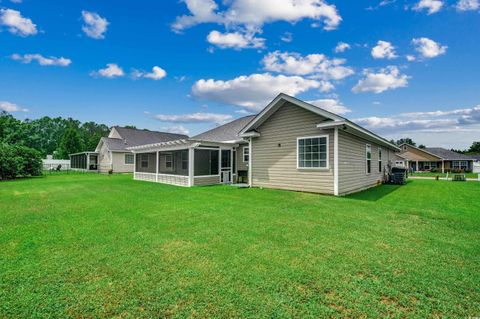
x,y
406,68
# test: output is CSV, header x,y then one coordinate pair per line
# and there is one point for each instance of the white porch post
x,y
134,165
88,161
231,165
443,167
335,162
416,168
157,163
250,173
191,158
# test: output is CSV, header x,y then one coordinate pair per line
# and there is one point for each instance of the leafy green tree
x,y
422,146
18,160
475,148
91,133
70,143
406,140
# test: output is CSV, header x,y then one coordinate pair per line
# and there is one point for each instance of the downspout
x,y
250,173
191,158
335,162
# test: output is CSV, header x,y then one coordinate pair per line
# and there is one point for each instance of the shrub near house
x,y
16,161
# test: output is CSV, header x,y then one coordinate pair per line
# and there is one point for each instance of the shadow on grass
x,y
376,193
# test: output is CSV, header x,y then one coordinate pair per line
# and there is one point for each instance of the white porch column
x,y
88,161
250,172
157,163
335,162
443,167
134,164
191,158
416,168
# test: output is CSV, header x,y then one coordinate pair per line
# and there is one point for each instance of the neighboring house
x,y
289,145
111,152
476,163
435,158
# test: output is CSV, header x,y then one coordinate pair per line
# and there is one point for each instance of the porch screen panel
x,y
145,162
206,162
173,163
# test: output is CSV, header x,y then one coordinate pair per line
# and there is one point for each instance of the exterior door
x,y
226,166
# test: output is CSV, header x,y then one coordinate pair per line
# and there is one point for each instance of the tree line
x,y
57,136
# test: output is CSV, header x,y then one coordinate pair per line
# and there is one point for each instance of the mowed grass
x,y
96,246
430,174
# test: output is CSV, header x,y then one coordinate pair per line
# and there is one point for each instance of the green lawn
x,y
96,246
429,174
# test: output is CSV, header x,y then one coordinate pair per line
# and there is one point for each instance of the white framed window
x,y
129,159
380,166
144,161
169,161
246,153
312,152
429,165
463,165
368,156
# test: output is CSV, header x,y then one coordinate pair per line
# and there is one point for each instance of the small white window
x,y
169,161
380,160
144,161
246,153
129,158
312,152
368,150
460,165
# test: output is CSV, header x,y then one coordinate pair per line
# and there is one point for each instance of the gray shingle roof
x,y
447,154
227,132
133,137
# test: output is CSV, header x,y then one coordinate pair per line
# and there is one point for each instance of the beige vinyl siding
x,y
352,167
275,166
208,180
241,165
104,159
118,163
114,133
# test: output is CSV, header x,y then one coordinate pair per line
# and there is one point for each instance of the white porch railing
x,y
177,180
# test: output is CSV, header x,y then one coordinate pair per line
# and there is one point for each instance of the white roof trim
x,y
264,114
250,134
374,137
421,149
160,145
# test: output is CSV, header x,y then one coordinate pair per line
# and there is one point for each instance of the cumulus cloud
x,y
432,6
383,50
428,48
177,129
467,5
410,58
11,107
331,105
235,40
386,79
253,91
287,37
341,47
314,65
40,59
111,71
157,74
433,121
17,24
94,25
195,118
253,14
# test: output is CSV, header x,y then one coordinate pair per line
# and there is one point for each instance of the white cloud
x,y
315,65
383,50
177,129
434,121
111,71
287,37
16,23
11,107
157,74
45,61
16,1
429,48
341,47
235,40
253,14
253,91
386,79
95,26
467,5
331,105
410,58
432,6
195,118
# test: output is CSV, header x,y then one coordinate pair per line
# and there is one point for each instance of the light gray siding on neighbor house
x,y
274,153
352,167
241,165
118,161
104,159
